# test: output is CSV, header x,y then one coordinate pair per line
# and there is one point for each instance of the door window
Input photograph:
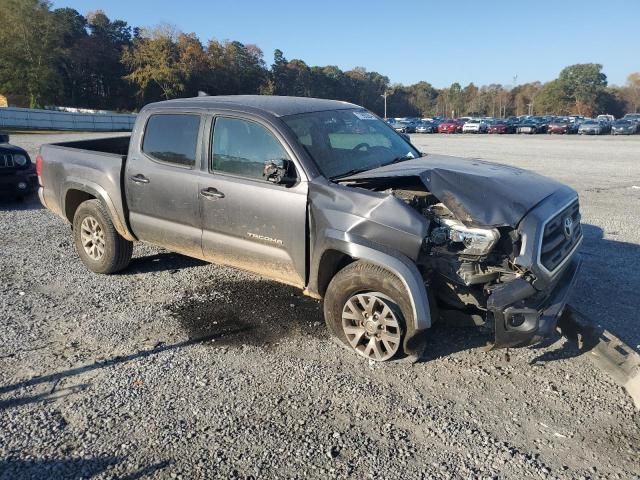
x,y
172,138
241,147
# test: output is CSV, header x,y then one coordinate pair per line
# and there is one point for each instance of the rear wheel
x,y
99,245
367,308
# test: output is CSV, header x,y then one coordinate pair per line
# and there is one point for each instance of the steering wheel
x,y
362,145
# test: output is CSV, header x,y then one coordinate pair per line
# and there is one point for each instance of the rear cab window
x,y
172,138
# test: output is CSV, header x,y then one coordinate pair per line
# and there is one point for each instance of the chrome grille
x,y
6,160
561,235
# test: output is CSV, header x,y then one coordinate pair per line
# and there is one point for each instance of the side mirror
x,y
4,137
280,171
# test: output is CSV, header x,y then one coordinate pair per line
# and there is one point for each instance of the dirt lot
x,y
180,369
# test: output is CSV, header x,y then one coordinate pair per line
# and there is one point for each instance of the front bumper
x,y
523,315
20,182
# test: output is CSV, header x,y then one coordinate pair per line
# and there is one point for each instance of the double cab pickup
x,y
325,196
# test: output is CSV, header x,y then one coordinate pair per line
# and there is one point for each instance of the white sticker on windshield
x,y
365,116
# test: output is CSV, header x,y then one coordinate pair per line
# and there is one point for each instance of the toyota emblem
x,y
568,227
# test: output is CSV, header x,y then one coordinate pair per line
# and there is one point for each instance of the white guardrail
x,y
51,120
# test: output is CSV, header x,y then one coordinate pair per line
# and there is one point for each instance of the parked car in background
x,y
605,124
563,126
449,126
606,118
17,173
474,126
532,125
502,127
591,127
632,117
426,127
404,127
624,127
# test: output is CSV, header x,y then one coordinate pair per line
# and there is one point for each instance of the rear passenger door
x,y
249,222
161,183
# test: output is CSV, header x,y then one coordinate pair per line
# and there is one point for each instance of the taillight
x,y
39,161
39,165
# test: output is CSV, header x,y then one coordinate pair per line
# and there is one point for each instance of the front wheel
x,y
367,308
99,245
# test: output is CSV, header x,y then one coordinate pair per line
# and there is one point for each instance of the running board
x,y
606,350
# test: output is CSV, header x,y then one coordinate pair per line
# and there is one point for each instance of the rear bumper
x,y
523,315
22,182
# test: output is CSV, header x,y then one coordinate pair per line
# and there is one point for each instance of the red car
x,y
501,127
451,126
562,126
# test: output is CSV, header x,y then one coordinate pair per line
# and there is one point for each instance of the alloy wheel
x,y
371,326
92,237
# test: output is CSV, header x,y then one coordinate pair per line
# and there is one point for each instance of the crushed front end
x,y
514,279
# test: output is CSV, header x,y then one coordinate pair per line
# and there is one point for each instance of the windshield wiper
x,y
350,172
355,171
402,158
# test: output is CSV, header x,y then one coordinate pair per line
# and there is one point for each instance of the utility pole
x,y
385,95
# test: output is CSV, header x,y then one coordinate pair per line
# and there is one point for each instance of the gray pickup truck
x,y
325,196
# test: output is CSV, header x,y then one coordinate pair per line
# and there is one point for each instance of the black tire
x,y
365,278
116,249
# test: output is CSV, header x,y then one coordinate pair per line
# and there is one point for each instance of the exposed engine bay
x,y
462,264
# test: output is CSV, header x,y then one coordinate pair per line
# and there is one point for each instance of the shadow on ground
x,y
70,468
249,312
160,262
11,204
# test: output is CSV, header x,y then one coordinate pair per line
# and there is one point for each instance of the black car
x,y
624,127
532,125
17,173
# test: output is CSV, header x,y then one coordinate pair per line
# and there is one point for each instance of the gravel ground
x,y
181,369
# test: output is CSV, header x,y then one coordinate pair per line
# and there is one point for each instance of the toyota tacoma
x,y
325,196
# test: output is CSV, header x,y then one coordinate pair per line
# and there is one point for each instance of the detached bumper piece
x,y
523,315
604,349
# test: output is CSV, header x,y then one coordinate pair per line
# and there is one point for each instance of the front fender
x,y
400,265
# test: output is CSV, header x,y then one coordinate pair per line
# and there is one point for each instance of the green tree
x,y
154,61
583,83
30,49
553,99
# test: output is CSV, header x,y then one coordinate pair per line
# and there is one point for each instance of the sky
x,y
485,41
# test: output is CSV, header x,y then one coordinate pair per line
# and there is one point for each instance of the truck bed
x,y
70,170
109,145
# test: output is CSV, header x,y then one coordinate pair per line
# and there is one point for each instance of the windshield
x,y
343,142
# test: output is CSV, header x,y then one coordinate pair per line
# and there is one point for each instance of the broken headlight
x,y
472,241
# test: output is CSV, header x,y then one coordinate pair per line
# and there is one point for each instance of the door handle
x,y
211,193
139,178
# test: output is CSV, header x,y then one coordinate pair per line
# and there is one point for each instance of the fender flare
x,y
101,194
400,265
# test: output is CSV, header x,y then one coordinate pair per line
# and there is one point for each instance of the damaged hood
x,y
477,192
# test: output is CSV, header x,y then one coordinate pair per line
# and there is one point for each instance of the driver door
x,y
249,222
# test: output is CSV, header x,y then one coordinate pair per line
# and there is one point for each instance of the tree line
x,y
60,57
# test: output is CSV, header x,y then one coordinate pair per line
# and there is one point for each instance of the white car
x,y
606,118
474,126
